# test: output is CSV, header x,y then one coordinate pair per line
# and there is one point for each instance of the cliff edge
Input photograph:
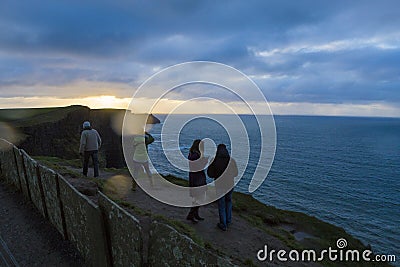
x,y
56,131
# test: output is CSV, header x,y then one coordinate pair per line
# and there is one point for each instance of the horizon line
x,y
249,114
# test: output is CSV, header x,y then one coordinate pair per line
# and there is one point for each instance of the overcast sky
x,y
308,57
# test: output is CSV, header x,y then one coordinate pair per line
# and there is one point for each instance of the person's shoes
x,y
221,226
197,217
194,221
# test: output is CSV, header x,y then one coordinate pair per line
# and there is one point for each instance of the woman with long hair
x,y
197,177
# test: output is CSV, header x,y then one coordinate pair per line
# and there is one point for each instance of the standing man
x,y
89,148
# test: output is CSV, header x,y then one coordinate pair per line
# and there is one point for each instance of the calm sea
x,y
344,170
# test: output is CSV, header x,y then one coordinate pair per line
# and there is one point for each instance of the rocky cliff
x,y
56,131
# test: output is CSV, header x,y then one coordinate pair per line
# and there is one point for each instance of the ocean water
x,y
343,170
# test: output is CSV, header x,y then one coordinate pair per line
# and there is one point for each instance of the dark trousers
x,y
194,212
225,209
95,159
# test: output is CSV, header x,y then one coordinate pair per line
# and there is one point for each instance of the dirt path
x,y
28,237
241,242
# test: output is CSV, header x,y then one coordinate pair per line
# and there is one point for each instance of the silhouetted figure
x,y
140,156
223,169
89,148
197,177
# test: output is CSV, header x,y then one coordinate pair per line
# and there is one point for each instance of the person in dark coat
x,y
197,177
223,169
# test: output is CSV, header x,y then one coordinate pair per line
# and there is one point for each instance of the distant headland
x,y
55,131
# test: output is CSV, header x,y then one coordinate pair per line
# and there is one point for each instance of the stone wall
x,y
34,183
8,166
52,197
124,233
167,245
105,234
84,224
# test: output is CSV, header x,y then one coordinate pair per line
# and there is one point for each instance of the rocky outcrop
x,y
56,132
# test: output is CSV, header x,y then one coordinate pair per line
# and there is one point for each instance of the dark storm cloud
x,y
362,75
297,51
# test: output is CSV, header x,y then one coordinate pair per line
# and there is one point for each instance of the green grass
x,y
135,209
249,262
176,180
75,163
122,171
269,218
60,165
33,116
22,113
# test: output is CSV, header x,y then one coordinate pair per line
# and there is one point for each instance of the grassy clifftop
x,y
23,117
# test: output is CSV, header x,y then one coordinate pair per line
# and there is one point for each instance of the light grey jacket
x,y
90,140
